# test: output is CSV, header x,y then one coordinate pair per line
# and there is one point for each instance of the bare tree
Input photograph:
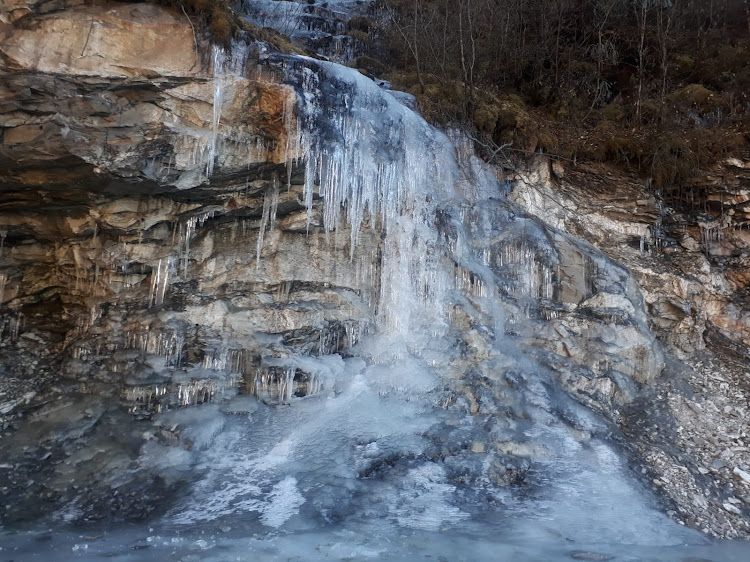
x,y
408,31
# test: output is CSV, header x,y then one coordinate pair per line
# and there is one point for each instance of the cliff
x,y
184,224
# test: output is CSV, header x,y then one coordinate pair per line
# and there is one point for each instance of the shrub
x,y
221,27
360,36
359,23
671,158
695,96
370,66
485,117
613,112
216,15
623,148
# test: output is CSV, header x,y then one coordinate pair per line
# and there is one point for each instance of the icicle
x,y
274,203
216,360
89,320
219,68
15,327
168,345
286,387
159,281
354,332
713,230
185,236
204,390
268,220
293,137
368,157
155,282
3,281
143,394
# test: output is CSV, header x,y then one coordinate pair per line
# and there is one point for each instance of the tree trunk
x,y
416,47
642,23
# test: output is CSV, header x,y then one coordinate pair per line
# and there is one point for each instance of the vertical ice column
x,y
369,157
15,326
292,146
268,219
286,385
225,67
168,345
186,233
219,69
159,281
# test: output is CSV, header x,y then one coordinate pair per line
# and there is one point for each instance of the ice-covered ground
x,y
346,475
212,544
353,473
373,467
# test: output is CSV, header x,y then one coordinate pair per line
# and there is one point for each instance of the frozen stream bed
x,y
356,473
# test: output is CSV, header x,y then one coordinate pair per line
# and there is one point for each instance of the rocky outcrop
x,y
111,209
107,176
156,249
688,428
690,268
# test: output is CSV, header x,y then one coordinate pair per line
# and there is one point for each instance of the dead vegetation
x,y
655,86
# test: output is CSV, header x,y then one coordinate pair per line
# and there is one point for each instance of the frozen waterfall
x,y
441,421
463,408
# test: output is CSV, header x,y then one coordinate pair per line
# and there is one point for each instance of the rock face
x,y
122,41
124,273
110,209
176,228
691,268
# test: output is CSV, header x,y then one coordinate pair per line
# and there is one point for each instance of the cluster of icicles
x,y
371,161
374,164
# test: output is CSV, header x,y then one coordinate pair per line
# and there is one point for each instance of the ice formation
x,y
373,161
268,219
206,145
3,282
450,246
397,437
321,27
159,281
